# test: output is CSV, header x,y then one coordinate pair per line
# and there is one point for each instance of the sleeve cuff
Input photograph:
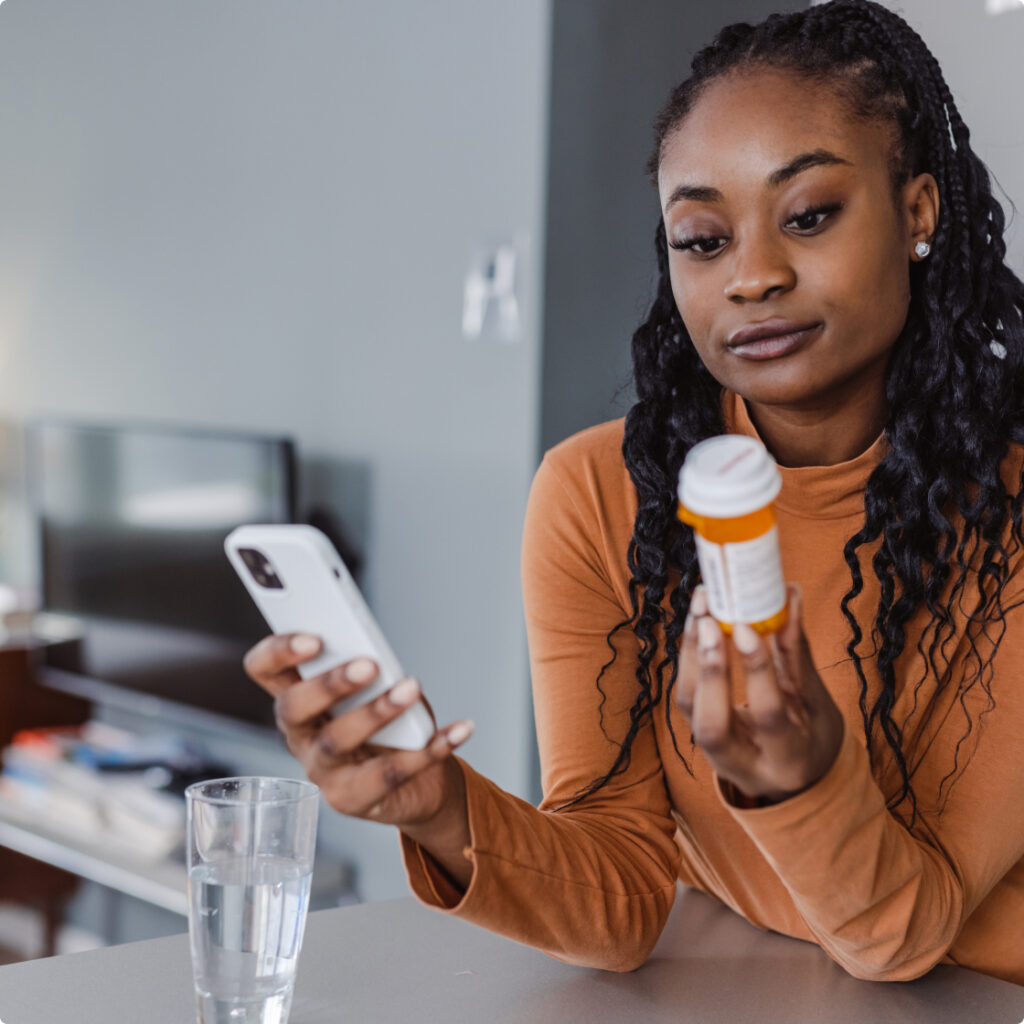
x,y
429,883
807,805
809,838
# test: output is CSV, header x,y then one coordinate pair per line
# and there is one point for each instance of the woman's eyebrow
x,y
778,177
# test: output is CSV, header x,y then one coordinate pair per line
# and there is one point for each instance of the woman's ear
x,y
921,209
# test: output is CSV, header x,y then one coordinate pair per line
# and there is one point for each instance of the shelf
x,y
161,883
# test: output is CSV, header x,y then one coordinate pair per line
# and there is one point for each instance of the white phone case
x,y
320,597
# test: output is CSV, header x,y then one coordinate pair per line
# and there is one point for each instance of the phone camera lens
x,y
259,565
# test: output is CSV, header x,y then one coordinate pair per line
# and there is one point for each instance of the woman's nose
x,y
759,268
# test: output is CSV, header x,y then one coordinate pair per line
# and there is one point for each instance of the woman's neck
x,y
823,435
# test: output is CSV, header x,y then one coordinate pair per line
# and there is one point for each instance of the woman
x,y
832,280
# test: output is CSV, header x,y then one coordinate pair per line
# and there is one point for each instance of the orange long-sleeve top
x,y
885,897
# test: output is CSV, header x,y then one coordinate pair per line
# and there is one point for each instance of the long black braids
x,y
937,505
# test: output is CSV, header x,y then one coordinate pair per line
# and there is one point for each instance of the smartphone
x,y
300,584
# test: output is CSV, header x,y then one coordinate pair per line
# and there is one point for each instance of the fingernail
x,y
459,732
708,634
404,692
305,644
745,638
362,670
699,601
799,718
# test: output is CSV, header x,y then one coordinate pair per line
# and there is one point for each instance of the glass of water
x,y
250,863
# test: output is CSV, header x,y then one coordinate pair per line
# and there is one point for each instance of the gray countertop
x,y
397,961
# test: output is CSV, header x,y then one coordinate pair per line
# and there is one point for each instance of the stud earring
x,y
922,249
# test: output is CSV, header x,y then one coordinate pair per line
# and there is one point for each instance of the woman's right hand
x,y
420,791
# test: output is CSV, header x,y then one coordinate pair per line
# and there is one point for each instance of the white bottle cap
x,y
728,476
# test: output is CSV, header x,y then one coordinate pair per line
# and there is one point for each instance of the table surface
x,y
398,961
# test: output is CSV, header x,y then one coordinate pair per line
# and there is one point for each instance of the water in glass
x,y
249,917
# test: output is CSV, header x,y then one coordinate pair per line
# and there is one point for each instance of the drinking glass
x,y
250,862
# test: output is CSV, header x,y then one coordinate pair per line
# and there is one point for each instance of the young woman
x,y
832,280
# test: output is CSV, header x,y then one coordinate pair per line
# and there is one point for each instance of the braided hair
x,y
953,386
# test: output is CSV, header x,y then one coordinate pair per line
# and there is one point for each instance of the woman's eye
x,y
814,216
697,244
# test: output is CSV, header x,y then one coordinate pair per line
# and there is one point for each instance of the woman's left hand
x,y
787,735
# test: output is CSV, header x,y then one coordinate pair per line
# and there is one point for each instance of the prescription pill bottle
x,y
727,489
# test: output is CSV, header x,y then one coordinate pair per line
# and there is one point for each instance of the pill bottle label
x,y
743,580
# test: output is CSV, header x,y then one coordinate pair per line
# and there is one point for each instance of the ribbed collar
x,y
814,492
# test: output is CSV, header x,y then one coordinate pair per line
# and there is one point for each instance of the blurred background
x,y
350,262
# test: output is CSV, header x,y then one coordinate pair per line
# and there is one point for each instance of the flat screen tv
x,y
131,523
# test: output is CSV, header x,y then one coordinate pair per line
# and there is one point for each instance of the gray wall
x,y
614,65
257,214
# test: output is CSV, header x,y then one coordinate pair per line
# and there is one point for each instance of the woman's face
x,y
778,206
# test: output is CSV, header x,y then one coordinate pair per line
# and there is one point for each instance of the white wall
x,y
257,214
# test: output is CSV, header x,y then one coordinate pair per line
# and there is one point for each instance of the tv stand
x,y
39,883
29,700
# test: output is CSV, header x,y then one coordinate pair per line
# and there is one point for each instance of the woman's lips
x,y
775,346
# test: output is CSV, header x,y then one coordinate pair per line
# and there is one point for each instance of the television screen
x,y
132,521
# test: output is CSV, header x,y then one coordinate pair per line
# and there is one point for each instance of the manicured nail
x,y
699,601
745,638
690,623
305,644
459,733
404,692
362,670
708,634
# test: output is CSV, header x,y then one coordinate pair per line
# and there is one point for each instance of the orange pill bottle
x,y
727,489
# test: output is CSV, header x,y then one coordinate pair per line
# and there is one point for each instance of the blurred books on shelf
x,y
103,785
